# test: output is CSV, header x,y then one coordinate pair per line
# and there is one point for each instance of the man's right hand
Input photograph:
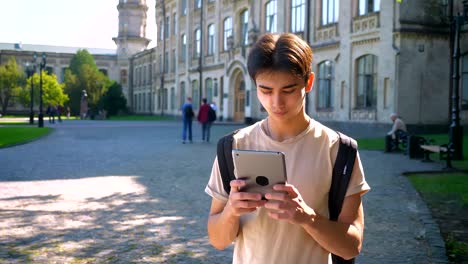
x,y
241,203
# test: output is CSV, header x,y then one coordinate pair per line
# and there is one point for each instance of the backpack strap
x,y
225,162
342,170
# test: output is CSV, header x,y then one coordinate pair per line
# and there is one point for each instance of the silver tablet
x,y
261,169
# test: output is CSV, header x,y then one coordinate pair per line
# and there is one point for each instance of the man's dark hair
x,y
280,52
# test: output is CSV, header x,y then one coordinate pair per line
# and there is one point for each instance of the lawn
x,y
17,135
445,193
141,118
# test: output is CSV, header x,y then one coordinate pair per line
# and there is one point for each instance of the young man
x,y
292,225
203,118
187,117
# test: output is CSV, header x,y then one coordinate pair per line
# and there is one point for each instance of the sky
x,y
74,23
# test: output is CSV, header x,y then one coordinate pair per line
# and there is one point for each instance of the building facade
x,y
371,58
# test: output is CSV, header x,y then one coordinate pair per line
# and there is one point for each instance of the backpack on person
x,y
211,115
188,112
342,170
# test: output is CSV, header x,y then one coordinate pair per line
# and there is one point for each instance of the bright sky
x,y
78,23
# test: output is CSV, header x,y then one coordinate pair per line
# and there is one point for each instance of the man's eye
x,y
266,91
288,91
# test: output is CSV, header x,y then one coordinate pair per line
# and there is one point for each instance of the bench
x,y
445,151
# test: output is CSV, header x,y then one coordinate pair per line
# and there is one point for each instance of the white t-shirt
x,y
310,157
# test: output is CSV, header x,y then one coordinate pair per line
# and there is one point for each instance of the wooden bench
x,y
444,151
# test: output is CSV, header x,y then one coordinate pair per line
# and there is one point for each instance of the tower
x,y
131,38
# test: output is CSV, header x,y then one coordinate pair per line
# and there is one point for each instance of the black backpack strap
x,y
342,171
225,162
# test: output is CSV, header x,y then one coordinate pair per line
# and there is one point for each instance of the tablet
x,y
261,169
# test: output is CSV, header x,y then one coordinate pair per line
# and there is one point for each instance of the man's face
x,y
281,94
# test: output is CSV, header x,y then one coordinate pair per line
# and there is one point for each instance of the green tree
x,y
83,74
113,100
11,78
52,90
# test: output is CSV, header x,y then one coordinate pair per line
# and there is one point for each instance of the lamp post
x,y
456,130
41,67
30,70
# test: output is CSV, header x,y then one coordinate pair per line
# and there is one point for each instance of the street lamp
x,y
30,70
41,67
456,130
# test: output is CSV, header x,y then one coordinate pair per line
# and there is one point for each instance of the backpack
x,y
342,170
211,115
188,112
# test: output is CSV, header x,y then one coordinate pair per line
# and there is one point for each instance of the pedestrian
x,y
59,112
51,111
204,119
397,134
68,112
187,117
291,225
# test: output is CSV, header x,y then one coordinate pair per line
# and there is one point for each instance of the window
x,y
211,39
104,71
183,48
197,43
150,73
227,32
174,24
173,61
209,90
173,98
325,77
195,94
166,28
123,76
464,77
161,31
144,75
368,6
270,23
183,7
244,18
366,82
198,3
160,64
182,94
330,11
297,15
166,62
164,98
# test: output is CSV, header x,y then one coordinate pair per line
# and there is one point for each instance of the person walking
x,y
291,225
187,117
204,119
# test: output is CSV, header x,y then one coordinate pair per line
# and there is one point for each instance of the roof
x,y
56,49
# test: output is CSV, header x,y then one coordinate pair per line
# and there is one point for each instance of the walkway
x,y
121,192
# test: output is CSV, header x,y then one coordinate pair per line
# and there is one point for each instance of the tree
x,y
52,90
83,74
113,100
11,77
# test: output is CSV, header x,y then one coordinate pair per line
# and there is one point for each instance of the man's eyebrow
x,y
284,87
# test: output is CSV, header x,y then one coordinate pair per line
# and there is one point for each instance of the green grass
x,y
446,194
140,118
371,143
18,135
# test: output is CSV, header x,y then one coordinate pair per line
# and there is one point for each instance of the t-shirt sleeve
x,y
215,188
358,183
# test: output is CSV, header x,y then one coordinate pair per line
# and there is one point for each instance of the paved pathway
x,y
130,192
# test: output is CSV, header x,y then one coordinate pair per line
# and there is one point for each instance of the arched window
x,y
270,18
183,48
173,98
195,94
297,15
227,32
325,91
244,19
211,39
182,94
197,43
209,89
366,94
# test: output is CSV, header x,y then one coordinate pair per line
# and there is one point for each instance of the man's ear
x,y
310,82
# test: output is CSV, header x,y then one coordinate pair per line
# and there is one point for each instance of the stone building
x,y
371,58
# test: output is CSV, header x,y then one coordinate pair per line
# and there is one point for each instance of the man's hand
x,y
240,203
287,204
